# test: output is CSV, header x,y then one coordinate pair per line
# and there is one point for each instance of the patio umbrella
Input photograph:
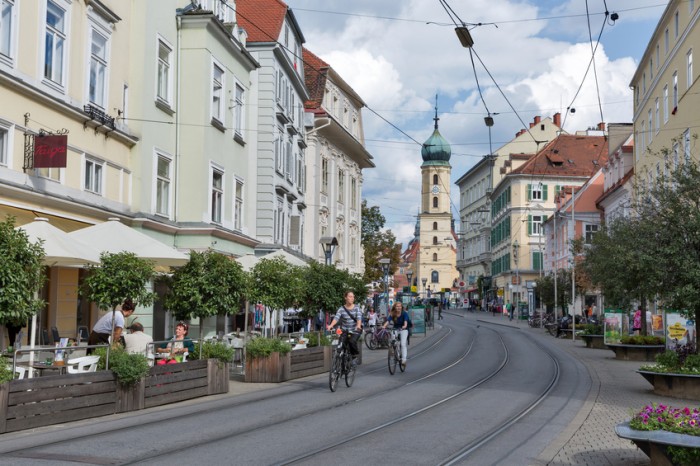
x,y
114,237
60,250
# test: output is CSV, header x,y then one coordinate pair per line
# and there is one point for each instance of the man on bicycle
x,y
399,318
350,317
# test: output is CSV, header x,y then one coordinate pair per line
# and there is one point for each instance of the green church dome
x,y
436,150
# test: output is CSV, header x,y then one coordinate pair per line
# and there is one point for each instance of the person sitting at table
x,y
179,345
137,341
103,328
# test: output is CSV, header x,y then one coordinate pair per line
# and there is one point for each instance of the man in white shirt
x,y
137,341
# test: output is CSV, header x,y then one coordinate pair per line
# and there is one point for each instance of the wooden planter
x,y
686,386
309,361
271,369
654,442
636,352
594,341
293,365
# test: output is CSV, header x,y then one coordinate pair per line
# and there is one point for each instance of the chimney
x,y
537,120
519,133
601,126
532,124
557,119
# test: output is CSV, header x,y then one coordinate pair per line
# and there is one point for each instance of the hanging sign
x,y
50,151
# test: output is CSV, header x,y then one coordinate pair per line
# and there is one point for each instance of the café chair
x,y
82,364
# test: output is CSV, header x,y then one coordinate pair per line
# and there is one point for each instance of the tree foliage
x,y
119,276
276,284
21,274
377,244
210,284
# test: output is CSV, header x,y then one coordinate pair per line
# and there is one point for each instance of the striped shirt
x,y
342,316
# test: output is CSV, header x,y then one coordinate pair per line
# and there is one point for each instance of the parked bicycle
x,y
377,337
394,356
540,320
341,365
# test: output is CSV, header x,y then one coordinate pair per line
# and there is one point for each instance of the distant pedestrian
x,y
637,322
509,308
440,311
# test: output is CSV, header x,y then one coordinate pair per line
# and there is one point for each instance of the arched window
x,y
435,257
434,225
435,202
435,179
434,276
434,239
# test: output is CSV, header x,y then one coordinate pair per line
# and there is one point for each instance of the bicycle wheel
x,y
372,341
552,329
350,374
392,359
402,365
334,373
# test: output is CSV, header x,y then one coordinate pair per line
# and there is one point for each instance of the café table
x,y
44,369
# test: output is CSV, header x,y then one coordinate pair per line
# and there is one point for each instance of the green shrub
x,y
312,338
692,363
128,368
213,350
263,347
592,329
642,340
669,360
6,373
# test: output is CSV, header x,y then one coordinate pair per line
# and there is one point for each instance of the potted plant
x,y
267,360
130,371
592,334
638,347
667,435
675,374
219,357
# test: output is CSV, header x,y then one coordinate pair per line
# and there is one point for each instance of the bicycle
x,y
341,365
377,337
394,356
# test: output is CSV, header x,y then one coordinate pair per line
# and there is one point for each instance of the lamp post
x,y
424,280
409,278
329,244
516,248
385,268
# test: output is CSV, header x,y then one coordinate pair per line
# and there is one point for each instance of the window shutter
x,y
294,230
557,188
544,219
544,192
508,227
508,194
529,192
529,225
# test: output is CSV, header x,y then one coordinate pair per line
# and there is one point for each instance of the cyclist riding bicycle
x,y
399,318
350,318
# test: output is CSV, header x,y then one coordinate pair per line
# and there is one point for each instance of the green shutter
x,y
544,219
508,194
529,225
529,192
557,188
508,227
544,192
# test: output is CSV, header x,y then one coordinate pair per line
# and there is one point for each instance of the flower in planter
x,y
683,360
661,417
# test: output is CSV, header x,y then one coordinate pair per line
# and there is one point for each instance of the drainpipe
x,y
176,195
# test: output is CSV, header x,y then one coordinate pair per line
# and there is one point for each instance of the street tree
x,y
210,284
325,287
119,276
277,284
377,244
21,275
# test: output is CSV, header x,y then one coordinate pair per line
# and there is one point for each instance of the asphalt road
x,y
473,393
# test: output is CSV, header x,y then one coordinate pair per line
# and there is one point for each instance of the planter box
x,y
293,365
686,386
56,399
271,369
654,442
594,341
309,361
637,352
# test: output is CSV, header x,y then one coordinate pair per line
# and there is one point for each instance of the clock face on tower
x,y
436,189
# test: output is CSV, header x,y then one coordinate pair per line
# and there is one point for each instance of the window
x,y
279,152
341,186
289,167
238,113
217,195
4,146
324,175
50,173
164,59
238,206
93,176
658,122
163,178
535,224
666,41
435,257
217,103
54,42
353,193
98,69
435,202
537,260
6,31
675,25
590,231
675,92
689,72
651,127
435,179
666,103
651,68
434,276
686,145
537,192
434,225
435,240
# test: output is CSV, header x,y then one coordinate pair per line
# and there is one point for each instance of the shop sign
x,y
50,151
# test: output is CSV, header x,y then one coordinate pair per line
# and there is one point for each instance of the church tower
x,y
437,259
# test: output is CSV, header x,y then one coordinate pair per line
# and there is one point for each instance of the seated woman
x,y
179,345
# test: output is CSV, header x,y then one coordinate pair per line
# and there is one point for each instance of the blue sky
x,y
399,54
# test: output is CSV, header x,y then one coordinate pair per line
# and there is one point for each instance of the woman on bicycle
x,y
350,317
399,318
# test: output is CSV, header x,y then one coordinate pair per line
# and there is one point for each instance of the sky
x,y
529,58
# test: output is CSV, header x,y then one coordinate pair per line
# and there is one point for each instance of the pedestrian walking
x,y
509,308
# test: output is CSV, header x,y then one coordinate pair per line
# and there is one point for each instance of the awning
x,y
249,260
60,250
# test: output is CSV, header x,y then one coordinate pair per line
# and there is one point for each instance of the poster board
x,y
417,314
613,326
679,330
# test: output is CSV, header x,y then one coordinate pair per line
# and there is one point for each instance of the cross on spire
x,y
436,112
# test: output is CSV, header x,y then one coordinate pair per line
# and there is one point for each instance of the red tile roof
x,y
315,74
262,19
568,155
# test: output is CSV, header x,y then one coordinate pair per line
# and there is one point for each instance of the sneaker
x,y
403,362
354,361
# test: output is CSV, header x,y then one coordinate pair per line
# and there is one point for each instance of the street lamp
x,y
329,244
385,268
516,247
424,280
409,277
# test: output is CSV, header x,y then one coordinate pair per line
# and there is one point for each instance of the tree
x,y
21,274
377,244
210,284
117,277
276,284
325,287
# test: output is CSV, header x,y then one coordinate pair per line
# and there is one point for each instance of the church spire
x,y
436,113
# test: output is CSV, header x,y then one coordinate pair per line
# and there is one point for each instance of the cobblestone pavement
x,y
616,392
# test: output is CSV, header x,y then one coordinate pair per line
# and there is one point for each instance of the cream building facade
x,y
666,94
